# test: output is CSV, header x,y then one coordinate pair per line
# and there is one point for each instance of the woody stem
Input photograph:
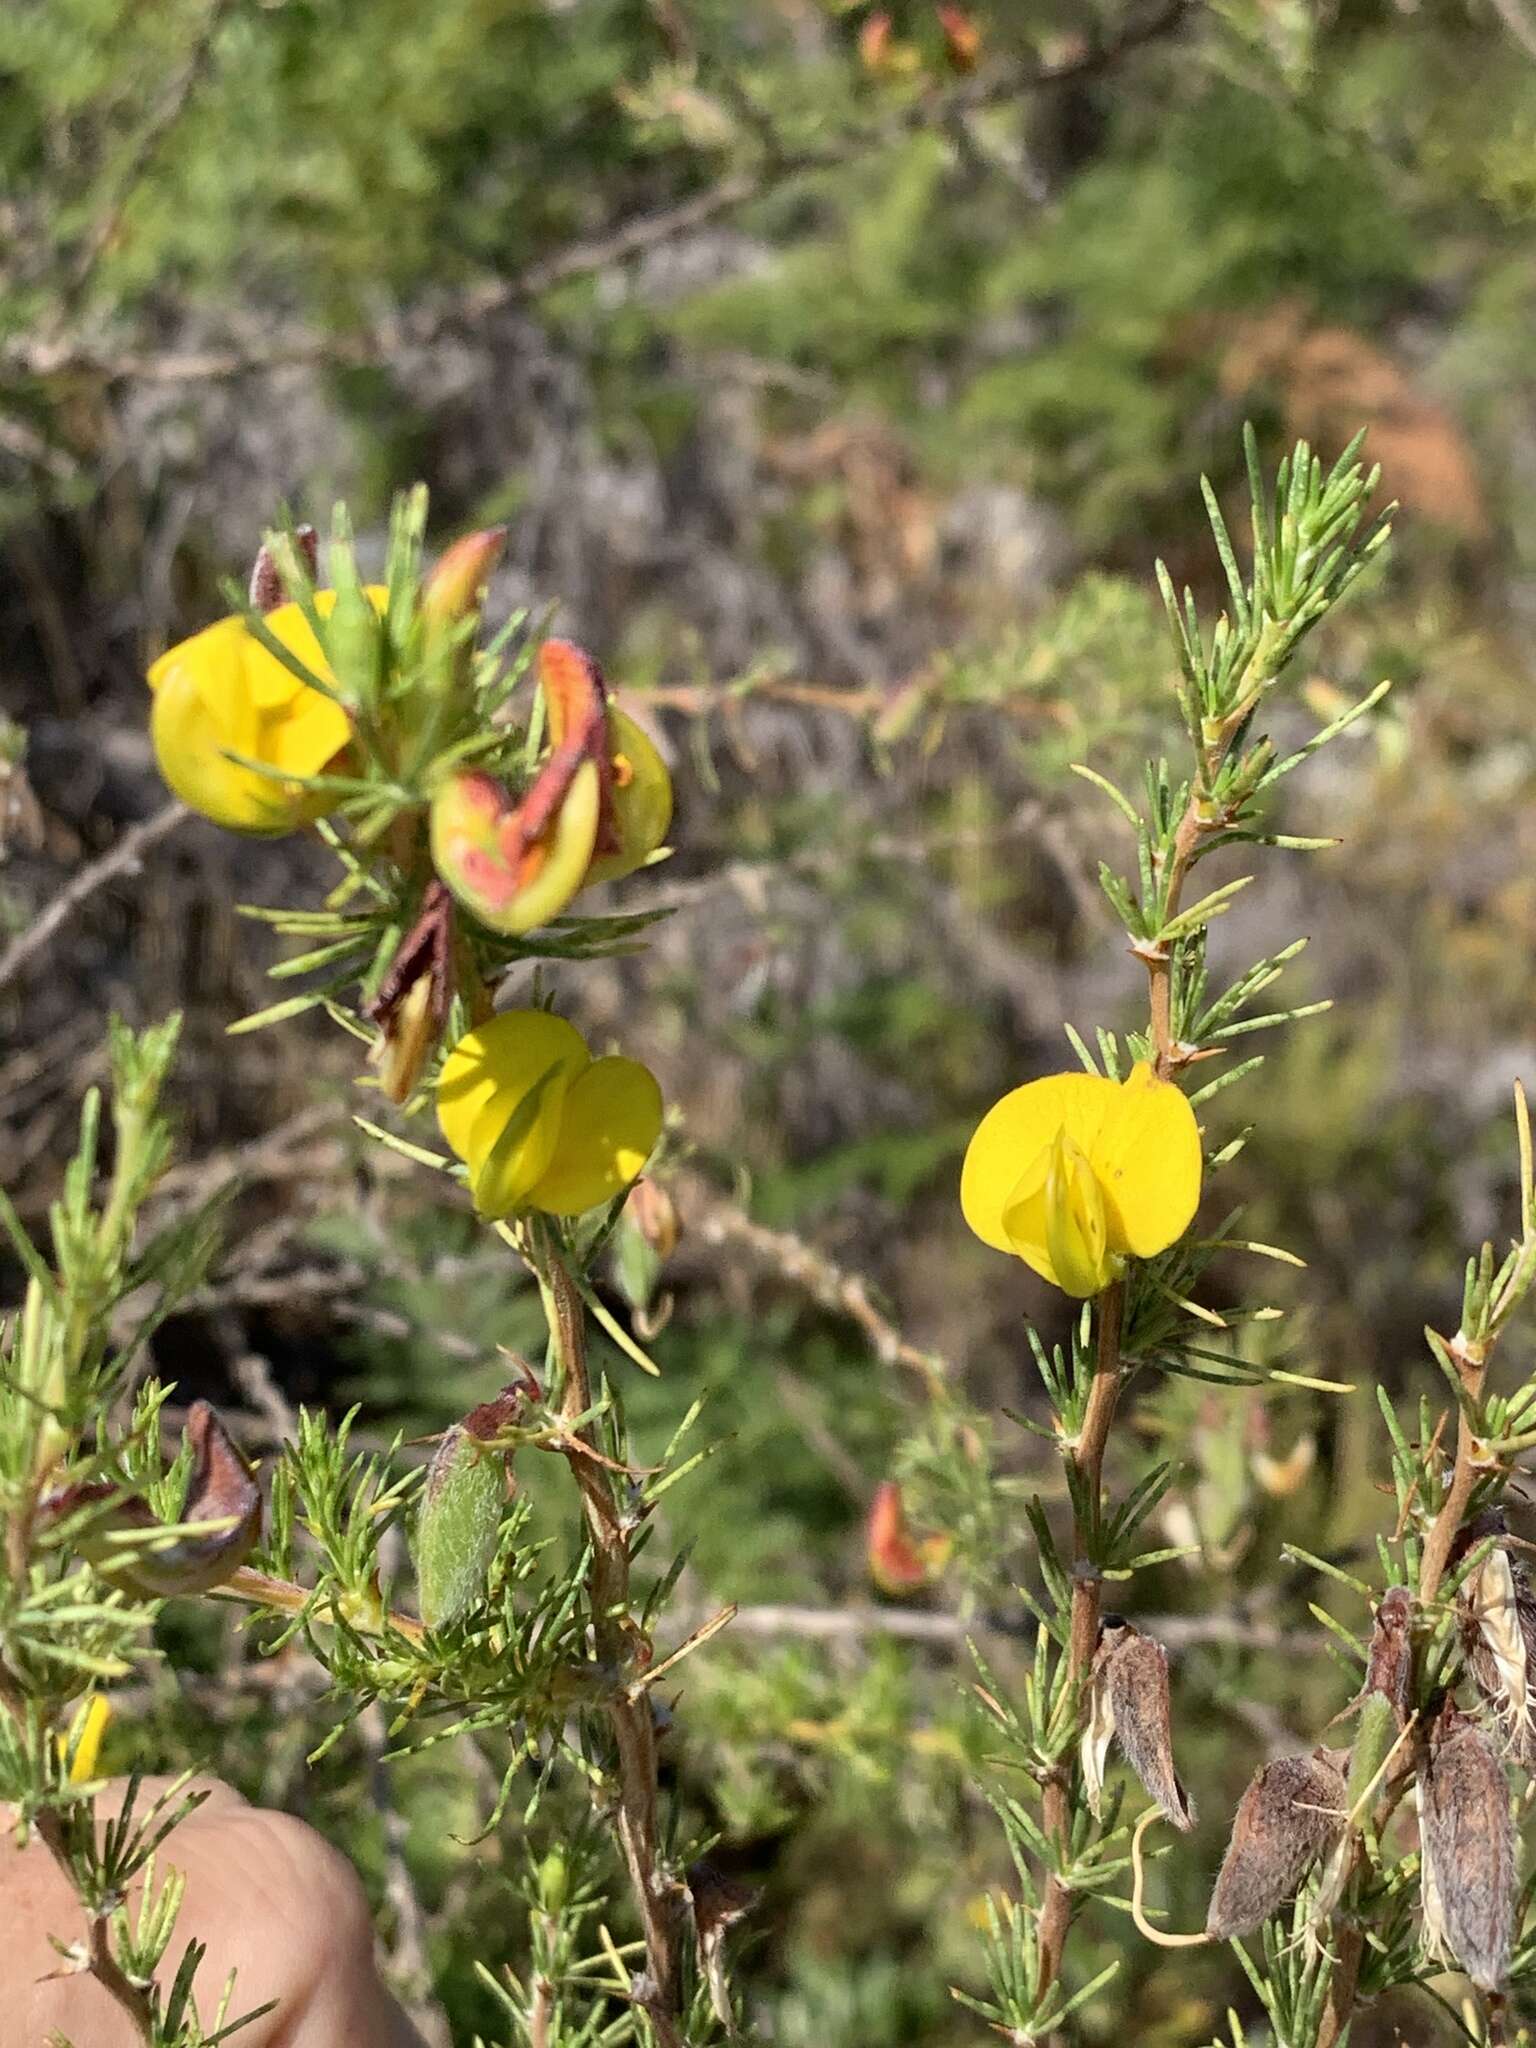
x,y
1350,1948
1453,1509
1088,1459
619,1644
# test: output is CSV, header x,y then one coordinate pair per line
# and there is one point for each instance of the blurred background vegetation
x,y
840,372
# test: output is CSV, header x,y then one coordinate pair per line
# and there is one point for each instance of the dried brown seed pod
x,y
1497,1611
267,588
1389,1664
1130,1704
718,1903
222,1497
1467,1848
1292,1811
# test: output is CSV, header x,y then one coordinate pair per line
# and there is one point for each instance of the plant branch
x,y
1473,1366
1088,1457
41,356
1191,830
619,1643
121,859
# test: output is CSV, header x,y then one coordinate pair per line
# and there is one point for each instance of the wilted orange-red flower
x,y
898,1563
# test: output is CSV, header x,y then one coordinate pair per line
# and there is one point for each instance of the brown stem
x,y
1473,1367
620,1643
541,2013
1341,1992
1472,1363
103,1965
1088,1458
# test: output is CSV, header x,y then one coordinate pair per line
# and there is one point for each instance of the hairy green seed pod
x,y
459,1521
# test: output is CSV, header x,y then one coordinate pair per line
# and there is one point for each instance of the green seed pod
x,y
457,1527
1375,1735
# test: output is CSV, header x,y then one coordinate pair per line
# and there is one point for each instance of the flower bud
x,y
514,866
412,1000
653,1213
267,588
1281,1477
962,36
880,51
456,587
645,1238
400,1051
554,1883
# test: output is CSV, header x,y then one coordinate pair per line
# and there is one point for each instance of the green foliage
x,y
1075,294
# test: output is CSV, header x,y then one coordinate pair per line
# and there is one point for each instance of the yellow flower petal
x,y
222,692
1022,1225
1015,1136
310,731
642,798
1074,1222
192,748
608,1129
486,1080
1146,1156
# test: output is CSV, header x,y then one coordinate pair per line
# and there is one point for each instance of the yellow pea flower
x,y
221,693
539,1123
80,1744
1075,1173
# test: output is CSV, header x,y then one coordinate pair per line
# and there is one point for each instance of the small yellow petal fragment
x,y
80,1744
